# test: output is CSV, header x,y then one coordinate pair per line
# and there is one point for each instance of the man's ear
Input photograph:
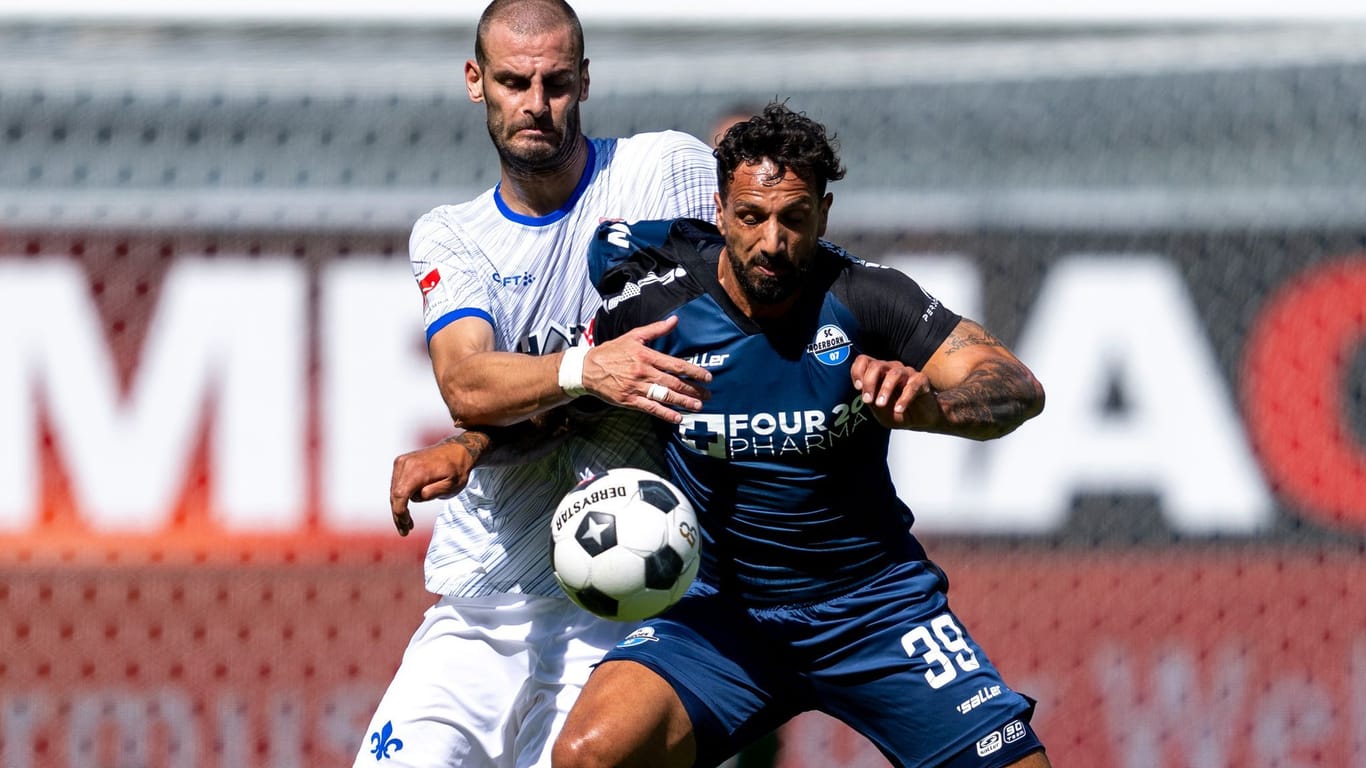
x,y
583,79
720,220
474,81
826,202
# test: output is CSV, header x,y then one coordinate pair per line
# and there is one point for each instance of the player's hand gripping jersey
x,y
787,470
528,278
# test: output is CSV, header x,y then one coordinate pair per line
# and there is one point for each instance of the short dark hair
x,y
528,16
790,139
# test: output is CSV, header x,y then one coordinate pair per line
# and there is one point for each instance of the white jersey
x,y
528,277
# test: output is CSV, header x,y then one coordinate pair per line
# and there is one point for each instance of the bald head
x,y
528,17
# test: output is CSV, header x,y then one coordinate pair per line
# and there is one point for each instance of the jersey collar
x,y
589,169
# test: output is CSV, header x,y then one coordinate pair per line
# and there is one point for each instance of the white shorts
x,y
486,682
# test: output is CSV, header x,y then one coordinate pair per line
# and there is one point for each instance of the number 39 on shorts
x,y
945,650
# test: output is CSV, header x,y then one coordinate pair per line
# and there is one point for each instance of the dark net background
x,y
1228,155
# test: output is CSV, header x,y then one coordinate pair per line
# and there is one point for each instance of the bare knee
x,y
581,749
628,717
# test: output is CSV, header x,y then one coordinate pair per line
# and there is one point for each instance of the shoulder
x,y
897,318
642,269
448,219
621,250
661,142
658,147
464,210
867,279
871,290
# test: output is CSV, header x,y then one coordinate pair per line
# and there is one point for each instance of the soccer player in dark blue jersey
x,y
813,593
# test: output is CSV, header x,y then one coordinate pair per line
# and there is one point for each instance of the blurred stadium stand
x,y
353,127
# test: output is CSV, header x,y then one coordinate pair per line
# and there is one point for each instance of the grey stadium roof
x,y
365,127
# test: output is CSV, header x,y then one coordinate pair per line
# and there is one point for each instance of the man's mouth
x,y
770,267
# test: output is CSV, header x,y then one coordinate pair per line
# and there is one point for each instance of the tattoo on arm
x,y
518,443
475,442
992,401
974,335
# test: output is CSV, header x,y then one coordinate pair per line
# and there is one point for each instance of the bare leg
x,y
626,716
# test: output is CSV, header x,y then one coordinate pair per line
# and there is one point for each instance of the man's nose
x,y
537,104
773,239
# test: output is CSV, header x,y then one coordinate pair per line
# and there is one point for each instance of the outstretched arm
x,y
484,386
512,405
972,386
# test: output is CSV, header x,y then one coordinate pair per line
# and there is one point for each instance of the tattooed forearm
x,y
517,443
992,401
475,442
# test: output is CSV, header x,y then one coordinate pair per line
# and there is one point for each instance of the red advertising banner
x,y
1242,656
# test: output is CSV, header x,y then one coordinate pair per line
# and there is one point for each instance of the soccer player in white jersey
x,y
493,669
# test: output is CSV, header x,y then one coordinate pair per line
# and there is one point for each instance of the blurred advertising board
x,y
197,565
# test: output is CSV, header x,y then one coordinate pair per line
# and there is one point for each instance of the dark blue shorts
x,y
889,659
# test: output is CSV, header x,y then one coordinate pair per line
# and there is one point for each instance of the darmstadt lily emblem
x,y
384,742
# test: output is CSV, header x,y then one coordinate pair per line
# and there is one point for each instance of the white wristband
x,y
571,371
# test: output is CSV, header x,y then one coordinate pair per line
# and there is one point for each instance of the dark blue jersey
x,y
786,468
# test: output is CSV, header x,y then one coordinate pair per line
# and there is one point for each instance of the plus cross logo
x,y
705,433
384,743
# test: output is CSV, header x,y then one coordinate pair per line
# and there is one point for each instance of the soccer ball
x,y
624,544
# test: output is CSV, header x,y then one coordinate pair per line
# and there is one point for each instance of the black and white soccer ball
x,y
625,544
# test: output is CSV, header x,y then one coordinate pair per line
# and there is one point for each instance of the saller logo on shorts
x,y
1014,731
639,637
982,696
991,743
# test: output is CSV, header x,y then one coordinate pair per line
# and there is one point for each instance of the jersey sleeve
x,y
901,321
613,245
621,259
443,266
